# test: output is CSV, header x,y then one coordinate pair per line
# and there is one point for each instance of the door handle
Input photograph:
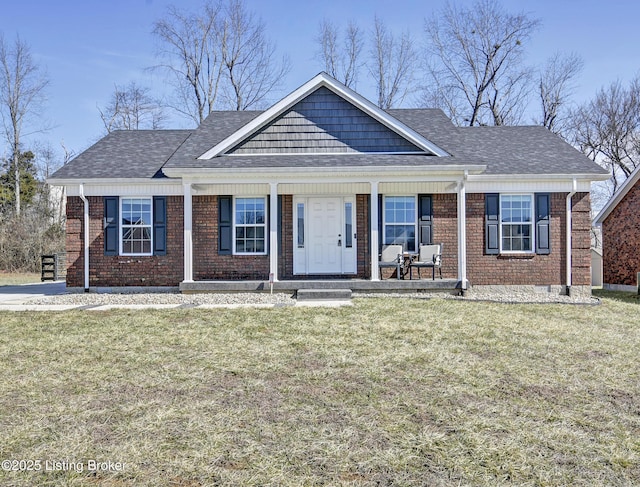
x,y
340,240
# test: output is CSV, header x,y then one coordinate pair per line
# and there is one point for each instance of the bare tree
x,y
22,87
556,83
341,58
218,57
248,58
132,108
392,65
475,63
607,129
190,53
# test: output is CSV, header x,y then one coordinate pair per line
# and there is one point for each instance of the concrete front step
x,y
323,294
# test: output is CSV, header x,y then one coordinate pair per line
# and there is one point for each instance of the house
x,y
313,187
620,223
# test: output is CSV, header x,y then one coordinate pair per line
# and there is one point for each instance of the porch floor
x,y
363,285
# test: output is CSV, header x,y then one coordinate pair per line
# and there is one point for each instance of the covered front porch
x,y
320,231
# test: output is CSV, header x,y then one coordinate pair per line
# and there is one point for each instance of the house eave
x,y
108,181
538,177
320,172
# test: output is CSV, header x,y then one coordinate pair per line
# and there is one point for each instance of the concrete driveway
x,y
19,294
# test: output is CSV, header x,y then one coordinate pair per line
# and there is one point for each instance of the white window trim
x,y
533,225
415,216
265,225
120,226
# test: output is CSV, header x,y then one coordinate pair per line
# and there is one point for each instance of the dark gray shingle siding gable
x,y
125,154
323,122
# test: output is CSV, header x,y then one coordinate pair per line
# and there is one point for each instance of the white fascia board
x,y
617,197
109,181
197,174
529,183
327,81
540,177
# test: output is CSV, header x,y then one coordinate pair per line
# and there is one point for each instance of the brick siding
x,y
549,269
116,270
621,241
207,263
482,269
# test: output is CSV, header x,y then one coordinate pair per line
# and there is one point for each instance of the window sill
x,y
508,256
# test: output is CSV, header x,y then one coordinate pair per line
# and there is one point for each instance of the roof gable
x,y
618,196
324,122
319,117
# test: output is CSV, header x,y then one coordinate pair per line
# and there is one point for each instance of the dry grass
x,y
14,278
388,392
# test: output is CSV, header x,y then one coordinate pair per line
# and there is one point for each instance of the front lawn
x,y
15,278
387,392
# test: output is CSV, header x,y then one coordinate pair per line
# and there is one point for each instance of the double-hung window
x,y
400,221
250,225
136,226
516,223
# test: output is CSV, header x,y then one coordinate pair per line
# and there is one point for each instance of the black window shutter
x,y
380,219
425,219
110,225
159,225
543,223
492,223
225,225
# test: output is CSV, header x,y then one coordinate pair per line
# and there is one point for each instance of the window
x,y
348,225
136,226
400,221
516,223
300,225
250,225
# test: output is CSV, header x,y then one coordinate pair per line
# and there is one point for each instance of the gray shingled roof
x,y
125,154
504,150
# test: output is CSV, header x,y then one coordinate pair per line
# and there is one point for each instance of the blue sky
x,y
87,46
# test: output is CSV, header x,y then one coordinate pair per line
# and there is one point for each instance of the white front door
x,y
321,245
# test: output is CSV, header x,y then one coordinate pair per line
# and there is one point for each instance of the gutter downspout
x,y
569,240
462,233
85,237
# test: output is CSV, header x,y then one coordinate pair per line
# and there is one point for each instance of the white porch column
x,y
188,225
273,231
462,233
375,250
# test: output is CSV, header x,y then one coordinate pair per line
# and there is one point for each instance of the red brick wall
x,y
108,271
73,245
445,231
207,263
621,241
532,269
481,269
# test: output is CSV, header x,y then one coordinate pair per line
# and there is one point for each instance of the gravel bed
x,y
502,297
169,298
101,299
